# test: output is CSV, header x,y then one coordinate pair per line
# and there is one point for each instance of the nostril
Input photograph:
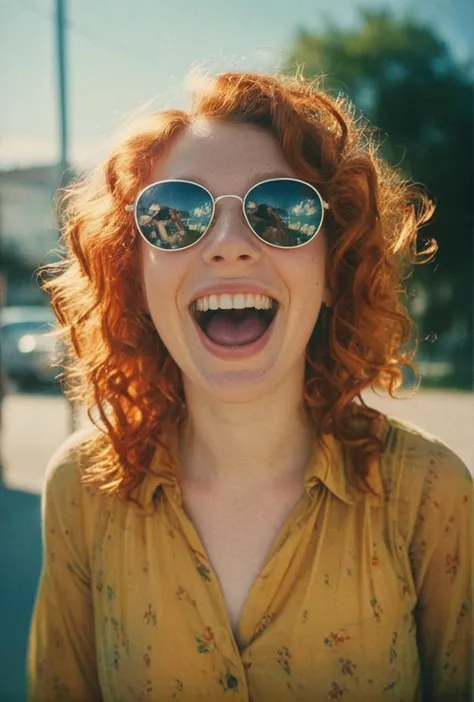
x,y
241,257
232,256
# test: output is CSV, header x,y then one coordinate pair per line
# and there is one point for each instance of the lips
x,y
234,317
235,334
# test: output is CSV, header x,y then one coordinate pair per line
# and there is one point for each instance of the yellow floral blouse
x,y
362,598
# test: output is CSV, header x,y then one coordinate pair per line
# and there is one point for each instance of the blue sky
x,y
122,55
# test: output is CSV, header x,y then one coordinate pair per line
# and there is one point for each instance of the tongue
x,y
228,332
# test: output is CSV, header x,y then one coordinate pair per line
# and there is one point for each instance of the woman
x,y
241,522
157,225
267,224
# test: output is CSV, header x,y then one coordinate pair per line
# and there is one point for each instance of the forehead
x,y
223,156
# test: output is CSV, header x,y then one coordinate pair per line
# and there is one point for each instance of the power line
x,y
88,34
115,46
36,9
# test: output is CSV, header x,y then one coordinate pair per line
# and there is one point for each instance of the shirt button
x,y
232,682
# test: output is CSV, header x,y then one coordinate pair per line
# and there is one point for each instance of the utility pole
x,y
63,114
63,130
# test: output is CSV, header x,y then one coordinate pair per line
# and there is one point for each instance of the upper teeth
x,y
233,302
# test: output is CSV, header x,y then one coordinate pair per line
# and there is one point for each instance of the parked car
x,y
29,348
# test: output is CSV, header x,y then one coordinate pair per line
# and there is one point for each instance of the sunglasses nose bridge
x,y
221,197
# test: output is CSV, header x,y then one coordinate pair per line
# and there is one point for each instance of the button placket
x,y
266,593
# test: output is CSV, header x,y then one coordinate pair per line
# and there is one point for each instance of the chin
x,y
236,386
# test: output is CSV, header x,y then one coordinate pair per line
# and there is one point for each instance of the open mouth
x,y
234,328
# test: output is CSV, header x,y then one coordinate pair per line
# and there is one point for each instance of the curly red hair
x,y
119,365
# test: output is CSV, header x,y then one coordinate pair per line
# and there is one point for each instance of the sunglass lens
x,y
174,214
284,212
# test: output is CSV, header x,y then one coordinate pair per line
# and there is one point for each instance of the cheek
x,y
160,267
159,278
306,272
163,276
305,278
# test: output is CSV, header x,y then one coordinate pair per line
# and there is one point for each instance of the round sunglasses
x,y
173,215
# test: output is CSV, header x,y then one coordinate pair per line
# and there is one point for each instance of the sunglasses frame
x,y
133,208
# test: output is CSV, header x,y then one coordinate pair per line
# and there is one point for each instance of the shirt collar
x,y
327,466
163,472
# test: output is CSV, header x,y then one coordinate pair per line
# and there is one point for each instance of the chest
x,y
238,533
342,618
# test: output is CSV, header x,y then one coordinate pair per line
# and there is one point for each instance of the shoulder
x,y
73,511
419,454
419,469
66,467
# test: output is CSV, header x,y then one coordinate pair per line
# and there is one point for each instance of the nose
x,y
230,240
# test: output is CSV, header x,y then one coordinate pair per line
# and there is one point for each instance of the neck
x,y
242,446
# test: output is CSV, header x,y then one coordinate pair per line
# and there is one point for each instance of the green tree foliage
x,y
402,76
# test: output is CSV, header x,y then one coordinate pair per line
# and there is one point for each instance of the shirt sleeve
x,y
61,654
441,558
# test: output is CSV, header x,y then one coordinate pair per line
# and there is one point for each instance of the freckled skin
x,y
228,159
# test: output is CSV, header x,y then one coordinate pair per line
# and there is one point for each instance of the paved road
x,y
20,564
35,425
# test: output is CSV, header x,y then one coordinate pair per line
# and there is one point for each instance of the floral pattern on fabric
x,y
366,598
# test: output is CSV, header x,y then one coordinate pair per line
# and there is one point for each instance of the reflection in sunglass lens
x,y
284,212
174,214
